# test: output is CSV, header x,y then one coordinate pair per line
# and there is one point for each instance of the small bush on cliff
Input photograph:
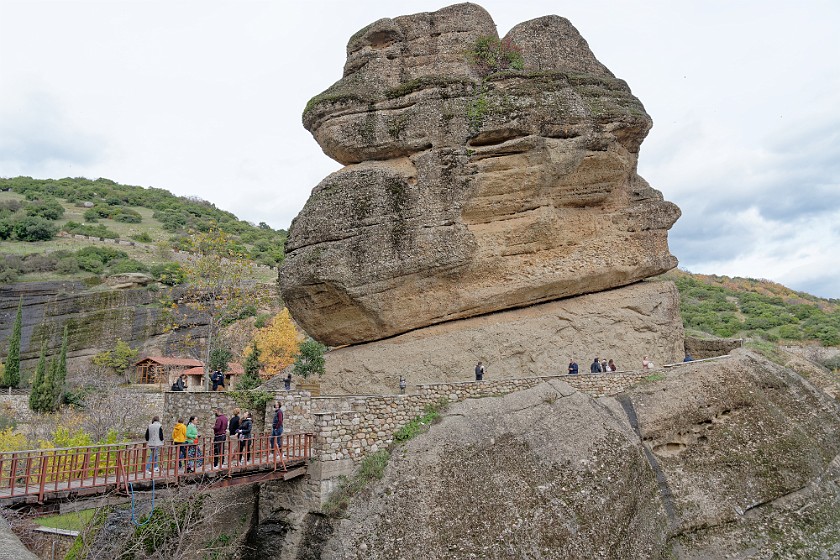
x,y
490,55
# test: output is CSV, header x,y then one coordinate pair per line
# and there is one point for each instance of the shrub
x,y
490,55
170,274
67,265
142,237
90,263
104,254
128,216
48,208
98,230
121,266
34,228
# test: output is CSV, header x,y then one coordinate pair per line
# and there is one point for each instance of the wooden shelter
x,y
162,369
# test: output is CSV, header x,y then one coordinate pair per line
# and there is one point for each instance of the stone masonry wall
x,y
353,427
183,404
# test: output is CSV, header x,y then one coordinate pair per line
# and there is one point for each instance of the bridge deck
x,y
53,474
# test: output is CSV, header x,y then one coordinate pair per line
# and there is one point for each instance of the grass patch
x,y
655,377
73,521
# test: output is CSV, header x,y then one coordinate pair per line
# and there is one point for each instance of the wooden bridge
x,y
43,475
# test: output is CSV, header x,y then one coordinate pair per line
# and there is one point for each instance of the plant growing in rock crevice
x,y
490,55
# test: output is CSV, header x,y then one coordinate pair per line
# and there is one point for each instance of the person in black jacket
x,y
244,433
233,426
595,367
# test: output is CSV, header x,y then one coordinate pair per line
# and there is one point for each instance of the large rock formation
x,y
469,187
731,459
624,324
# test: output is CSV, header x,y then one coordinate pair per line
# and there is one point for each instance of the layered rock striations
x,y
469,188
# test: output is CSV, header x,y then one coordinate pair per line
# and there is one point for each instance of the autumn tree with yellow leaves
x,y
278,343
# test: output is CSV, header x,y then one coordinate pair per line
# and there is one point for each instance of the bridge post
x,y
43,478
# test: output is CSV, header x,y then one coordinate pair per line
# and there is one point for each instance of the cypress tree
x,y
11,376
60,373
35,397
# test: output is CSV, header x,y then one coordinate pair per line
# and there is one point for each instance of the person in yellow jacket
x,y
179,438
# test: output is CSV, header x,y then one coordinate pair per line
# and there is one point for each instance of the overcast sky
x,y
204,98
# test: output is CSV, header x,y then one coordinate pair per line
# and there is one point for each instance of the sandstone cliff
x,y
732,459
95,319
467,192
624,324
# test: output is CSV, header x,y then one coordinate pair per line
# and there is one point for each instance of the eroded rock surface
x,y
624,324
465,193
730,459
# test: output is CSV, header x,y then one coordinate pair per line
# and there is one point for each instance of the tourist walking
x,y
194,457
154,441
179,438
595,367
276,432
244,435
219,436
573,368
287,382
479,371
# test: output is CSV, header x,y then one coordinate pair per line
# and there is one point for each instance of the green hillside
x,y
745,307
73,228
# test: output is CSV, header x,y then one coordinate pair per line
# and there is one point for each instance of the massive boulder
x,y
623,324
730,459
469,188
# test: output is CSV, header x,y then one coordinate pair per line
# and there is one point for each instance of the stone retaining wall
x,y
353,427
183,404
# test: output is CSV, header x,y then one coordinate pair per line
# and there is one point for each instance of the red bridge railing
x,y
39,472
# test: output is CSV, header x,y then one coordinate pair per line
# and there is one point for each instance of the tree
x,y
40,394
251,378
310,359
59,372
11,376
216,271
118,358
278,343
220,357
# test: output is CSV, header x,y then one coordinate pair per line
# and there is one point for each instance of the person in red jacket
x,y
219,437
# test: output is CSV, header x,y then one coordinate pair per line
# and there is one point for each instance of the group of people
x,y
186,437
597,366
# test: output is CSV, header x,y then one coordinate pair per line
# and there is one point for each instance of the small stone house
x,y
153,370
195,376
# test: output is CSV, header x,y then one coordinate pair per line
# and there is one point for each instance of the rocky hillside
x,y
732,459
